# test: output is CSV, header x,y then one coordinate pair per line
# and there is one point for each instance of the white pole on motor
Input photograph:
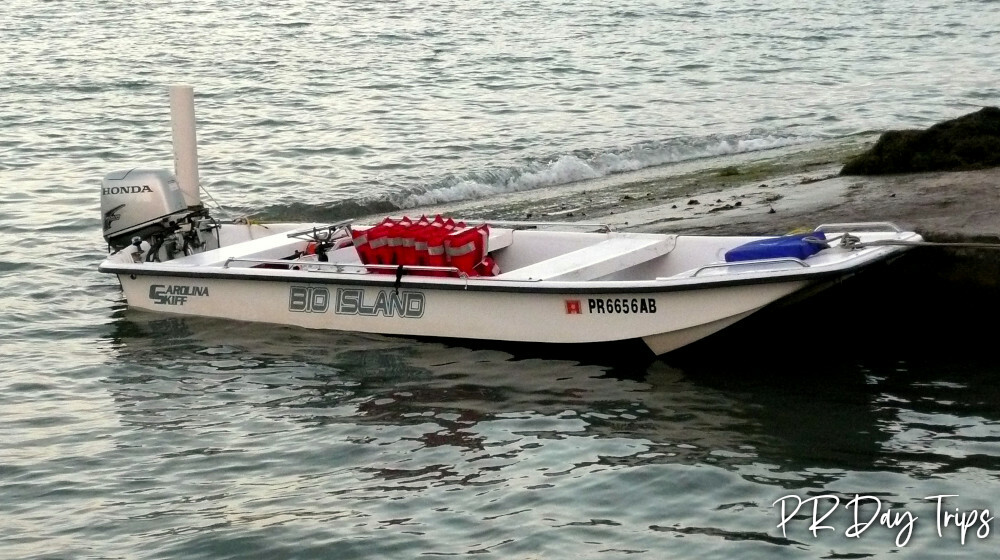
x,y
185,143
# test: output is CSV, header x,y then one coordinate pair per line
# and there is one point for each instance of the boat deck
x,y
616,253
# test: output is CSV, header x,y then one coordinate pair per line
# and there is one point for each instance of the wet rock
x,y
968,142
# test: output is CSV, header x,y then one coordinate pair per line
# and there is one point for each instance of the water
x,y
127,435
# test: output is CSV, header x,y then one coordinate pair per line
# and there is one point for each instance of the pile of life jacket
x,y
436,241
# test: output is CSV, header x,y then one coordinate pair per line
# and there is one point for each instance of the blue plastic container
x,y
777,247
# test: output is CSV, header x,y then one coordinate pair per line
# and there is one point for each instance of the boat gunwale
x,y
842,269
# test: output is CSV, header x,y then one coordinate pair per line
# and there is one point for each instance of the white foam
x,y
572,168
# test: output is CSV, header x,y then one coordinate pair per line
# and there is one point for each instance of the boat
x,y
432,276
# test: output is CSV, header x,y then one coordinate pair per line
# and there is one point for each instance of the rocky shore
x,y
942,205
953,206
942,182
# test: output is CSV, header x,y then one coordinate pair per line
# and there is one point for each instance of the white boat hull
x,y
666,291
665,320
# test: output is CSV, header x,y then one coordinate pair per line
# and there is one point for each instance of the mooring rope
x,y
219,206
946,244
849,241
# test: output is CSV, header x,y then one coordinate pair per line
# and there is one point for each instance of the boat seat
x,y
499,239
619,252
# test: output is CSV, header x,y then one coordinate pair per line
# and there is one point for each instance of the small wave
x,y
580,166
563,169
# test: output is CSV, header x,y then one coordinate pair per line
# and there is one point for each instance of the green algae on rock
x,y
969,142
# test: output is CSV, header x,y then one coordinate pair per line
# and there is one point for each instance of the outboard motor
x,y
140,203
145,208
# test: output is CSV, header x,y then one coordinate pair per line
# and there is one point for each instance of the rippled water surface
x,y
128,435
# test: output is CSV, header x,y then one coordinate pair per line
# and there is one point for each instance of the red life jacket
x,y
378,240
402,243
466,248
362,245
432,243
418,236
488,267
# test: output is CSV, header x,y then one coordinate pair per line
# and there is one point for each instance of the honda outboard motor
x,y
145,208
140,203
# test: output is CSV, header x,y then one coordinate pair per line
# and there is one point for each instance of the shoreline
x,y
768,192
773,192
941,206
639,198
